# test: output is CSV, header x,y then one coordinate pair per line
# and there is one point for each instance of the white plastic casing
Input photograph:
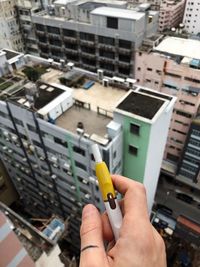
x,y
115,218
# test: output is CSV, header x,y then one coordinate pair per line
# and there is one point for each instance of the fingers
x,y
93,252
135,202
107,230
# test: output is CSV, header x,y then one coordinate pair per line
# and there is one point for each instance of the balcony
x,y
125,51
71,51
88,55
70,39
55,47
55,36
106,59
107,47
87,43
40,33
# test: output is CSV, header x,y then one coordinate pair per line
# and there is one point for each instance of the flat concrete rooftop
x,y
141,105
98,95
93,122
180,46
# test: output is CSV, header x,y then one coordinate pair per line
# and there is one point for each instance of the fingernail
x,y
88,210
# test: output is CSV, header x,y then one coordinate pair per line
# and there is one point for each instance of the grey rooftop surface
x,y
141,105
45,96
118,13
92,121
10,54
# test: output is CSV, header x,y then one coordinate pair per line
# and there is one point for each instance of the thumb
x,y
92,247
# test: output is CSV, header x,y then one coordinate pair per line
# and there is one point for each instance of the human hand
x,y
139,244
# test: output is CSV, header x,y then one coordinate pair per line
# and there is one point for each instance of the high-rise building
x,y
10,36
93,35
172,66
142,114
24,10
190,20
189,165
171,14
46,139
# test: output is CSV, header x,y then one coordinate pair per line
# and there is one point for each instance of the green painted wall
x,y
134,166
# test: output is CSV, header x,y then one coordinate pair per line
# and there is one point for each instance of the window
x,y
149,69
184,114
172,157
133,150
135,129
79,150
80,165
112,23
60,142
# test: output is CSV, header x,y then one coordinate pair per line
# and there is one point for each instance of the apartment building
x,y
190,20
94,34
24,10
10,36
171,14
189,164
45,141
172,66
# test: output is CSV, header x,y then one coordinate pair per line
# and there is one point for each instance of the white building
x,y
10,36
191,16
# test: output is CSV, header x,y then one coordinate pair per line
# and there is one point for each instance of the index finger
x,y
135,201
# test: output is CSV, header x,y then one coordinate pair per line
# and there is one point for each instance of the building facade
x,y
24,10
173,67
10,36
171,14
46,145
190,20
189,164
94,35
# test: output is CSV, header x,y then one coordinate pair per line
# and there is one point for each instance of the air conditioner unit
x,y
105,82
70,65
53,176
87,196
73,187
100,74
87,136
5,133
54,159
66,166
14,137
25,144
80,131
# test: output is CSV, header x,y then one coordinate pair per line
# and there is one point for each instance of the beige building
x,y
171,14
173,67
10,36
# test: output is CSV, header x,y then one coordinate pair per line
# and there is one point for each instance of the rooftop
x,y
10,54
179,46
141,105
93,122
91,5
47,93
118,13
